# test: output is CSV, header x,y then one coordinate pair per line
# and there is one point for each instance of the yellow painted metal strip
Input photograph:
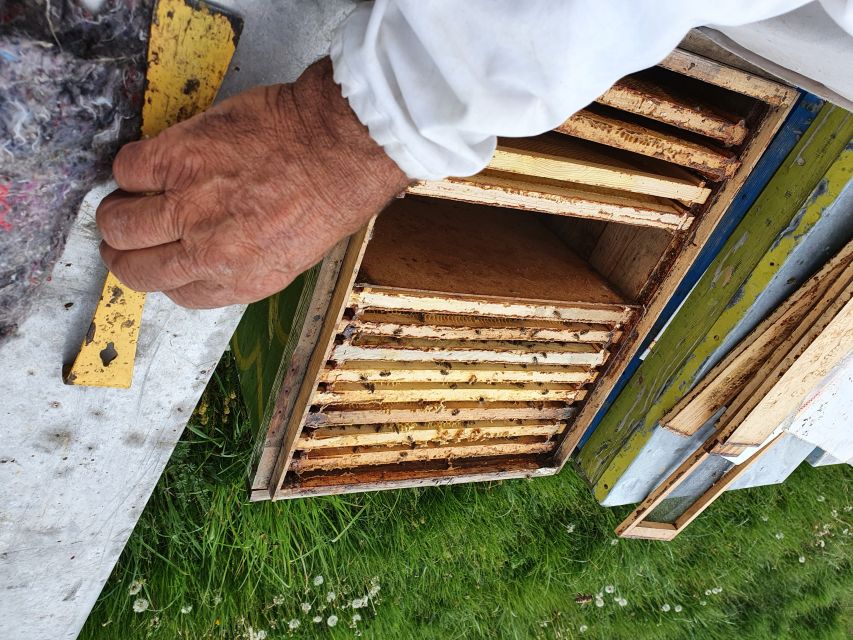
x,y
189,51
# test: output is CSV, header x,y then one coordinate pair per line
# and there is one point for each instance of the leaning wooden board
x,y
473,336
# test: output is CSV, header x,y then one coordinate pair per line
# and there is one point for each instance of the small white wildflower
x,y
217,599
802,559
135,587
570,528
821,544
358,603
820,498
543,623
834,513
703,602
717,589
848,508
318,619
318,580
708,592
356,618
614,542
665,608
678,608
621,602
609,589
374,589
764,518
331,596
583,628
293,624
599,602
186,608
332,620
278,600
306,607
257,634
779,535
845,531
140,605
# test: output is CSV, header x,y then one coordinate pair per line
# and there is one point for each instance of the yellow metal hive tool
x,y
189,50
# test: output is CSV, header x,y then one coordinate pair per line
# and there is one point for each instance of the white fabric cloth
x,y
435,81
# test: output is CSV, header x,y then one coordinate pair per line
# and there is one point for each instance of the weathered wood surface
x,y
721,75
716,164
565,159
637,95
571,332
777,390
431,432
502,189
729,286
447,372
444,412
726,379
465,392
409,300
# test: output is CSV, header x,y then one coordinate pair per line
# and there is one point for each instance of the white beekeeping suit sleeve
x,y
435,81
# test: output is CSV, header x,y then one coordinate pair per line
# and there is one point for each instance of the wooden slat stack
x,y
470,333
775,367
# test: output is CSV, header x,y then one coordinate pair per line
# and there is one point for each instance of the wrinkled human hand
x,y
231,205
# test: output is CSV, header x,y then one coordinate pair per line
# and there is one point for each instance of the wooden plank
x,y
573,332
500,189
581,354
719,487
319,356
663,531
464,393
458,249
461,321
443,372
566,159
409,300
636,94
418,454
721,75
444,412
435,432
586,124
720,385
408,475
784,388
748,259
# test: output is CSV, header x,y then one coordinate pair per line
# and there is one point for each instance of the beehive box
x,y
473,330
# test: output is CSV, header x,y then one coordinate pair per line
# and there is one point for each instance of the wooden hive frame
x,y
635,193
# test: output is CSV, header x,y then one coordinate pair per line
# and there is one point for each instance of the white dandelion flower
x,y
609,589
374,589
779,535
140,605
678,608
802,559
665,608
703,602
358,603
599,602
332,620
257,634
318,580
331,596
708,592
570,528
621,602
834,513
583,628
318,619
186,608
821,544
614,542
356,618
717,589
293,625
306,607
135,587
820,498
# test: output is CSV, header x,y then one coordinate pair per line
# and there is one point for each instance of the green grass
x,y
500,560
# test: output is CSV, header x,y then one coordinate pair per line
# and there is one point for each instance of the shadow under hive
x,y
473,331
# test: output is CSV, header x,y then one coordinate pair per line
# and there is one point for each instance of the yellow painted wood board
x,y
189,51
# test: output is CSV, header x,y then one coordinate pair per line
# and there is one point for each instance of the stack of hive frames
x,y
471,333
638,192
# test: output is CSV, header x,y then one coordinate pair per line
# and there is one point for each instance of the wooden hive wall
x,y
478,331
